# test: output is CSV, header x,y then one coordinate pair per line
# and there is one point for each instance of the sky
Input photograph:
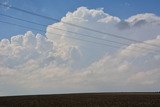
x,y
58,8
119,54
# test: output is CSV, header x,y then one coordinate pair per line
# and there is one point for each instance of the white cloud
x,y
32,64
146,17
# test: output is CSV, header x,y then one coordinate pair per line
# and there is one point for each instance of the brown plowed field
x,y
84,100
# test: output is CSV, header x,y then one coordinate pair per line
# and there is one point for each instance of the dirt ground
x,y
84,100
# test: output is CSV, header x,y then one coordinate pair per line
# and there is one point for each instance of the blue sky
x,y
58,8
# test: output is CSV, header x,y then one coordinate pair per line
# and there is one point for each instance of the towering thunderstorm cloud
x,y
33,63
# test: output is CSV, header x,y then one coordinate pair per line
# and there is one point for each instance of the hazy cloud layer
x,y
32,64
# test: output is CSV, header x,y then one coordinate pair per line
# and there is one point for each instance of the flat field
x,y
84,100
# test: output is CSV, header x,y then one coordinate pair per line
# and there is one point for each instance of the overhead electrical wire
x,y
78,26
97,43
12,17
71,31
56,34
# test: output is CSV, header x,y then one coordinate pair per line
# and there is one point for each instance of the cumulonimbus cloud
x,y
33,64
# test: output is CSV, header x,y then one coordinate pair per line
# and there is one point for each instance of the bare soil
x,y
84,100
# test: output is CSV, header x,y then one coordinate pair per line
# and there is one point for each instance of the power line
x,y
68,36
71,31
78,26
57,34
63,29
